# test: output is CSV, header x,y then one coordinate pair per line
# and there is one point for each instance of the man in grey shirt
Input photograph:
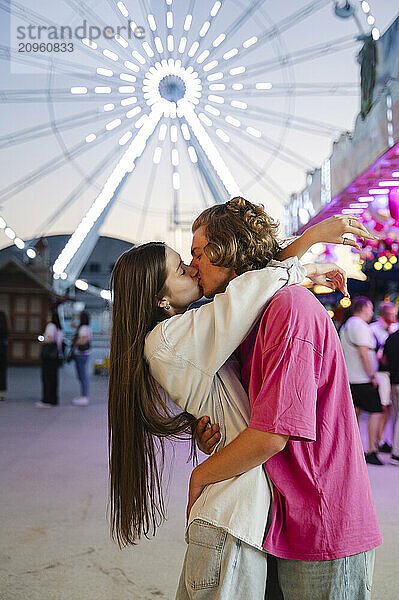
x,y
358,345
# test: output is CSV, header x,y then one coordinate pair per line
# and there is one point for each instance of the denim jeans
x,y
218,566
348,578
81,371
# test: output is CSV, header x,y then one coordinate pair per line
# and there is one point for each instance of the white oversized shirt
x,y
189,355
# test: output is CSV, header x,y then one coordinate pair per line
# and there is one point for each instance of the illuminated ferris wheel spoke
x,y
210,150
238,155
156,40
239,22
267,89
147,200
41,62
91,222
278,28
259,175
183,38
174,161
22,96
84,10
202,34
216,188
169,25
301,56
301,123
205,197
49,167
193,157
76,193
59,68
55,163
32,133
235,127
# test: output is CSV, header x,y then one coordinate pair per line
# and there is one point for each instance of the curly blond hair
x,y
240,235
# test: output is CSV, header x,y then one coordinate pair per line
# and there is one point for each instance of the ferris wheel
x,y
188,102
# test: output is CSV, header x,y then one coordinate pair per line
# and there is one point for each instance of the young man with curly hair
x,y
323,528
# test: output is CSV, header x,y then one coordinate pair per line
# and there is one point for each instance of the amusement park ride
x,y
187,88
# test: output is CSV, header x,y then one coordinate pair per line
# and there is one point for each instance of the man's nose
x,y
193,270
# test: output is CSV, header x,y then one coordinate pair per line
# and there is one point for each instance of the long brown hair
x,y
139,419
240,234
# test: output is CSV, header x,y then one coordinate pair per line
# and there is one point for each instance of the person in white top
x,y
386,323
51,357
189,355
359,348
81,353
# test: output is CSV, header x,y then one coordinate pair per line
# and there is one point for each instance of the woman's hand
x,y
331,231
328,274
194,492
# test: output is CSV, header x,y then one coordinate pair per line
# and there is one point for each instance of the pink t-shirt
x,y
295,374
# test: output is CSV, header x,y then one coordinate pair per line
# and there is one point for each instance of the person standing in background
x,y
81,353
3,354
51,354
358,345
381,329
391,355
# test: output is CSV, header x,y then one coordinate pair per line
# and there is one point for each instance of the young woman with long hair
x,y
154,337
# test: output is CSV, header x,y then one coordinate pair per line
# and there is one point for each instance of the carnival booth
x,y
361,177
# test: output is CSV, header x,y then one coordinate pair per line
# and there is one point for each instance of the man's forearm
x,y
250,449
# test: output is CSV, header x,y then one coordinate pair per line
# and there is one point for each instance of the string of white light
x,y
366,8
17,241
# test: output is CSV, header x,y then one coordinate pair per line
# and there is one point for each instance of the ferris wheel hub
x,y
172,88
169,83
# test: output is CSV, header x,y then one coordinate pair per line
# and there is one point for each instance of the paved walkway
x,y
54,539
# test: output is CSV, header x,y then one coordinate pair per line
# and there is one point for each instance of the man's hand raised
x,y
207,436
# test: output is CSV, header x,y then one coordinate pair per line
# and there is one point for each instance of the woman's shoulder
x,y
158,338
153,340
